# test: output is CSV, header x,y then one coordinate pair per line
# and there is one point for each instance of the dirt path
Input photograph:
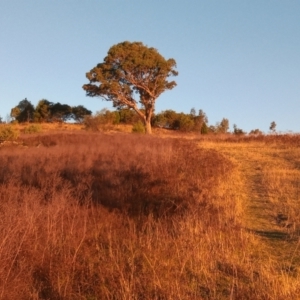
x,y
270,187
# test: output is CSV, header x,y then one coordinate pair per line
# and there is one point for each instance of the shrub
x,y
34,128
8,133
138,127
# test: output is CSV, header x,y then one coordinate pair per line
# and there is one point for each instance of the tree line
x,y
167,119
47,111
132,76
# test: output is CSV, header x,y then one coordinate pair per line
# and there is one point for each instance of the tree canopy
x,y
23,112
132,73
47,111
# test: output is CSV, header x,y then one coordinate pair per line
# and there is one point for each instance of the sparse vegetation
x,y
8,133
33,128
138,127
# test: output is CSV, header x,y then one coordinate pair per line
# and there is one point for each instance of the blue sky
x,y
237,59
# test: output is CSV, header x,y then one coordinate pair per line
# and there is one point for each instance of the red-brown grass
x,y
95,216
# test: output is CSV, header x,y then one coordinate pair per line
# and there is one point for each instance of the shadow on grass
x,y
272,235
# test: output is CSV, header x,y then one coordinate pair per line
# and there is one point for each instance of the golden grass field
x,y
117,215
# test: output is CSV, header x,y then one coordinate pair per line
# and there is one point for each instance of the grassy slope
x,y
236,244
269,184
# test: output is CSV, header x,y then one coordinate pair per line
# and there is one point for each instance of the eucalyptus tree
x,y
132,76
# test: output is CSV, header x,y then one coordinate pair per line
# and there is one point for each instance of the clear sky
x,y
237,59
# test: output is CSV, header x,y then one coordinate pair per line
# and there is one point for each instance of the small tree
x,y
79,112
273,127
201,122
237,130
255,132
223,126
185,122
43,111
61,112
193,112
23,112
129,70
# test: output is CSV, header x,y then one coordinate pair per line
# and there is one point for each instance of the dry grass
x,y
269,183
98,216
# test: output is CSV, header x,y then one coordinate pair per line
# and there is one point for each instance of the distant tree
x,y
193,112
132,69
166,119
184,122
127,116
43,111
273,127
212,129
23,112
79,113
201,122
15,112
204,129
109,117
102,120
237,130
255,132
60,112
1,121
223,126
203,116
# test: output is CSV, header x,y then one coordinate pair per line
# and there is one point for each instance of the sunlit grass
x,y
121,216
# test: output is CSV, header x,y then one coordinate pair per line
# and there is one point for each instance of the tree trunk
x,y
148,126
146,118
148,115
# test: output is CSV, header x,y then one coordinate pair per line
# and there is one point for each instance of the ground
x,y
269,186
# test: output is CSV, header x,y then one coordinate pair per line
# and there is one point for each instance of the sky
x,y
237,59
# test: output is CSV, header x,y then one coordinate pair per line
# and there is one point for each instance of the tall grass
x,y
94,216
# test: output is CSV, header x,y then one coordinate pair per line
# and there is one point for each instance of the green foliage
x,y
138,127
23,112
127,116
166,119
34,128
79,112
8,133
204,129
184,122
102,120
129,70
42,112
47,111
61,112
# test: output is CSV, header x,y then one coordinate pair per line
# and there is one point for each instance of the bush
x,y
8,133
35,128
138,127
